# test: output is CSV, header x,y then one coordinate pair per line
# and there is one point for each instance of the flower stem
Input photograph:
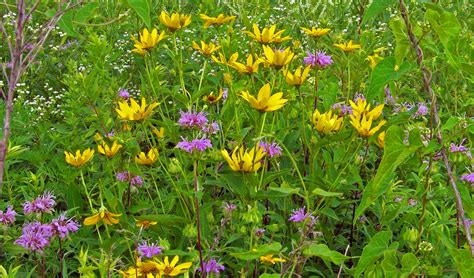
x,y
198,224
87,192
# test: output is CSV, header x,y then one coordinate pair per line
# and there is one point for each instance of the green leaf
x,y
464,262
395,153
267,275
142,8
263,250
85,12
383,73
65,23
376,8
402,45
323,251
163,219
324,193
389,263
373,251
409,263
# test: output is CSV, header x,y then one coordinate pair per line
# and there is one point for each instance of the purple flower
x,y
310,59
149,250
320,59
43,203
212,266
124,94
466,177
228,207
35,236
345,109
224,93
388,97
211,128
299,215
123,176
62,226
422,110
7,217
453,148
359,96
260,232
271,149
196,144
192,119
412,202
111,134
136,181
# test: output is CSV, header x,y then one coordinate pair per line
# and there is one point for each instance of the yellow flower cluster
x,y
326,122
265,101
157,268
362,117
243,160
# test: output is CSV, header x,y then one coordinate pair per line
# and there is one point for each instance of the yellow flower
x,y
145,223
267,35
135,112
347,47
211,98
142,269
363,125
277,58
227,78
362,108
107,217
147,159
205,49
298,77
147,40
316,32
244,160
381,139
326,122
79,159
219,20
374,60
160,133
223,61
265,102
250,67
171,269
269,260
109,151
176,21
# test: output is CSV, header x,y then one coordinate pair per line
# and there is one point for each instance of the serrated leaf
x,y
142,8
464,262
322,251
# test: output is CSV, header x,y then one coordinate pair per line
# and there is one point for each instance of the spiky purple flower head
x,y
212,266
422,110
299,215
123,176
192,119
136,181
35,236
211,128
124,94
7,217
196,144
469,178
44,203
320,59
271,149
149,250
62,226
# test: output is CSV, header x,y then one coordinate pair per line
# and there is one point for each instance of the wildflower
x,y
107,217
211,128
144,224
316,32
109,151
267,35
299,215
136,181
422,110
326,122
79,159
172,269
224,94
147,40
362,108
363,125
111,134
269,260
260,232
228,207
62,226
243,160
35,236
160,133
250,67
42,204
374,60
265,102
149,250
271,149
347,47
469,178
320,59
135,112
142,269
412,202
192,119
211,98
206,49
123,176
212,266
176,21
124,94
147,159
199,145
7,217
381,139
388,97
298,77
345,109
222,59
219,20
277,58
